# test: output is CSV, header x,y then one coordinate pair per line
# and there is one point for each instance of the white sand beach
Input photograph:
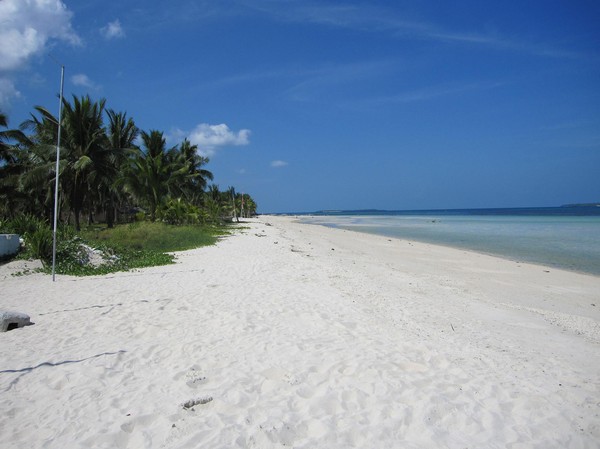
x,y
300,336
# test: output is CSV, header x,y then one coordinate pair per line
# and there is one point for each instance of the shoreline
x,y
592,270
304,336
467,249
452,260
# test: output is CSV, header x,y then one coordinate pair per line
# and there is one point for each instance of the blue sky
x,y
310,105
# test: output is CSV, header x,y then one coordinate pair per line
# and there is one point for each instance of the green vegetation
x,y
123,247
159,237
104,174
150,198
37,233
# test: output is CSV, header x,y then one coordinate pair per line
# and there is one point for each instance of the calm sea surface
x,y
558,237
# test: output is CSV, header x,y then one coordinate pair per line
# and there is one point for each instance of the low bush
x,y
124,247
177,212
39,243
23,224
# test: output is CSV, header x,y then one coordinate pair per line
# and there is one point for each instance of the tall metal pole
x,y
62,80
242,208
233,200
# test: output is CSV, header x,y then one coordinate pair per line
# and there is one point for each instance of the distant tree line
x,y
109,170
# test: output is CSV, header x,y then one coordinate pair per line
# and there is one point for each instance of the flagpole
x,y
62,80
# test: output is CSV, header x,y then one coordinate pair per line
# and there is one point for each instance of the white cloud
x,y
209,138
113,30
26,28
278,164
28,25
7,93
83,80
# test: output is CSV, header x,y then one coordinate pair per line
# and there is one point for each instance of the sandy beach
x,y
300,336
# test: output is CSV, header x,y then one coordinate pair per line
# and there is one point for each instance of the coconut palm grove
x,y
110,173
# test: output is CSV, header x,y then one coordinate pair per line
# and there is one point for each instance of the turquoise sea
x,y
564,237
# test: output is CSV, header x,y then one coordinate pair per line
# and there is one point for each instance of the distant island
x,y
582,205
566,209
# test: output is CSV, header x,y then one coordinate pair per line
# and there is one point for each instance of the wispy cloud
x,y
580,143
325,80
82,80
502,43
308,83
567,125
432,92
154,15
113,30
340,84
258,76
279,164
365,17
211,138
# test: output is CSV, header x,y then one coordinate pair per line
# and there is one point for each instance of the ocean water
x,y
564,240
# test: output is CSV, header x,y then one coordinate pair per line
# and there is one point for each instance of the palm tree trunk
x,y
110,210
76,212
234,211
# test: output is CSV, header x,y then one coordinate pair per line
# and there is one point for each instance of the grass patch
x,y
124,247
135,245
160,237
126,259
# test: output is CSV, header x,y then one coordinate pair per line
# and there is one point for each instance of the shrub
x,y
214,211
39,243
177,211
65,232
24,224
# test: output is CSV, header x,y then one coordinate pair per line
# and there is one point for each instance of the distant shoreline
x,y
587,209
568,241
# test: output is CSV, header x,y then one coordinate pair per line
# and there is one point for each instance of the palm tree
x,y
4,139
122,133
199,176
88,162
247,205
214,193
251,206
35,174
11,167
213,209
102,166
29,173
231,193
156,172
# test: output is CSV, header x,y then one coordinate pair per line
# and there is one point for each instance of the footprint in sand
x,y
190,403
194,379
